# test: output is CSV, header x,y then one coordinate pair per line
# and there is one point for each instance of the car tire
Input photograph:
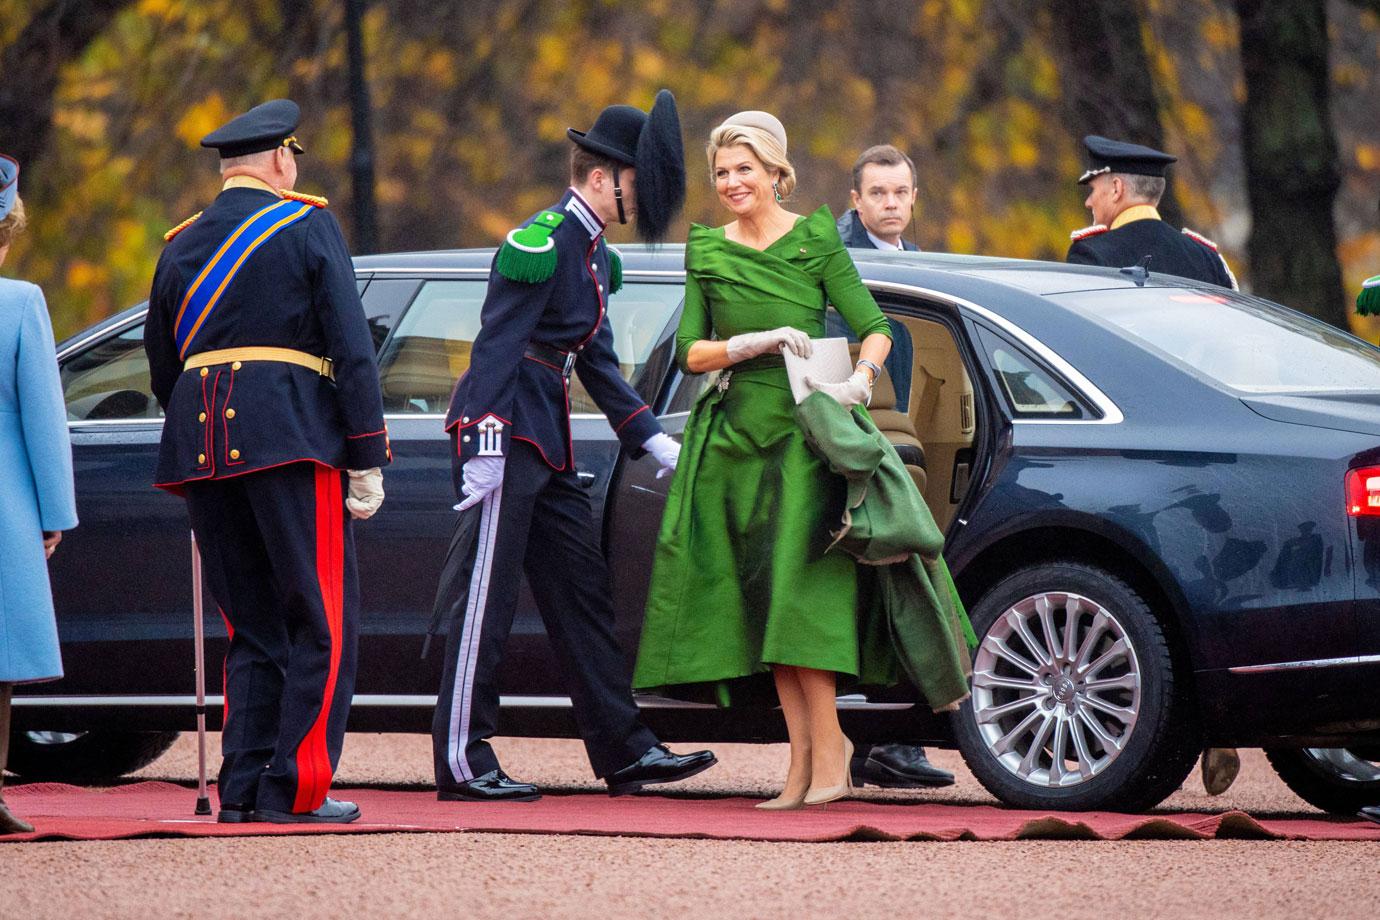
x,y
84,758
1340,781
1118,675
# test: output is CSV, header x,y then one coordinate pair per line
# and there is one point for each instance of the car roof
x,y
1027,275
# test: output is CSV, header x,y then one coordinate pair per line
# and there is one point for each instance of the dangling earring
x,y
776,190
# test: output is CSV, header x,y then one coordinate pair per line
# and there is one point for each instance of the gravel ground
x,y
476,876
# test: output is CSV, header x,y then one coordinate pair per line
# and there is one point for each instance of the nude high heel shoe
x,y
834,793
784,803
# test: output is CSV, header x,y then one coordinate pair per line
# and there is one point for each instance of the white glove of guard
x,y
752,344
855,391
478,477
665,450
366,493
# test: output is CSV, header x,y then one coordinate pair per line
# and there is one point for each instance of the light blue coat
x,y
36,491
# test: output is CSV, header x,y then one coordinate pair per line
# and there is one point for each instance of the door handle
x,y
586,479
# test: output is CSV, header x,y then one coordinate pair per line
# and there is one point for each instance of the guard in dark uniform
x,y
522,508
262,360
1125,183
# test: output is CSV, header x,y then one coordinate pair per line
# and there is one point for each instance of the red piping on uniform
x,y
481,418
372,434
225,671
589,270
171,486
313,757
559,370
629,419
225,424
545,459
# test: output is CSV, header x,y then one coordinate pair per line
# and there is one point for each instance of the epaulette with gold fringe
x,y
167,237
1086,232
315,201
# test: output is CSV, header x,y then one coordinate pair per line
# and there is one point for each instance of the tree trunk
x,y
1107,85
1290,148
362,157
55,36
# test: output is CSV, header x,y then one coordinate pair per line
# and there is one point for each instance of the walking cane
x,y
203,801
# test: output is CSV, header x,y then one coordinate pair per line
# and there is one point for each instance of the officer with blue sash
x,y
262,359
522,509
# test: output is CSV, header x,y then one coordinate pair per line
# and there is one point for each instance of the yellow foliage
x,y
202,118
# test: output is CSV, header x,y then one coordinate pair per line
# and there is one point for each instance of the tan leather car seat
x,y
898,429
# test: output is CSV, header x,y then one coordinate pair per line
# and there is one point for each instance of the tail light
x,y
1363,492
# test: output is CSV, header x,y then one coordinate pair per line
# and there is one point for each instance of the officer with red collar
x,y
262,359
1125,182
522,508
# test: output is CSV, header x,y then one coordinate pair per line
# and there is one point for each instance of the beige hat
x,y
764,121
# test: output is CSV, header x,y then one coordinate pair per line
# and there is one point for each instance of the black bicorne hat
x,y
650,143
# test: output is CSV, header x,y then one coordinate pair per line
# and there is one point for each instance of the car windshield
x,y
1244,343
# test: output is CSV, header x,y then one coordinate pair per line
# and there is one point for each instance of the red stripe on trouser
x,y
225,671
313,758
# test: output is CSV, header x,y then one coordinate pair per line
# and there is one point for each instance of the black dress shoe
x,y
1370,813
659,765
494,786
897,766
236,814
330,812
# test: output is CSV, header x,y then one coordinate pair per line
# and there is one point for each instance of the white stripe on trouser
x,y
468,660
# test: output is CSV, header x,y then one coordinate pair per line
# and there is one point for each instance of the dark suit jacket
x,y
855,234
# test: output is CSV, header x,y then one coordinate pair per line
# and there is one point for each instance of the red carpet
x,y
63,812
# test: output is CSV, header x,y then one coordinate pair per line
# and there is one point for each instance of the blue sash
x,y
215,277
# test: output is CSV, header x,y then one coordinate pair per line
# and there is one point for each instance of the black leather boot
x,y
9,824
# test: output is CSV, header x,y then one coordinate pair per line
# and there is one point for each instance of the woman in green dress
x,y
742,585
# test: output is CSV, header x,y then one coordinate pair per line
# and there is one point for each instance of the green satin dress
x,y
741,580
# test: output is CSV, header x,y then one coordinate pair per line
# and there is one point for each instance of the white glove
x,y
366,493
665,450
478,477
752,344
855,391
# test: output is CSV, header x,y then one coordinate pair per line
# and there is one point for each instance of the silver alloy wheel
x,y
1056,689
54,737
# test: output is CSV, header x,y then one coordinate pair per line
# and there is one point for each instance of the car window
x,y
431,347
1030,391
384,301
110,380
1241,342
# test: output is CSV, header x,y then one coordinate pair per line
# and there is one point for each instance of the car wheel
x,y
1338,780
1076,702
84,757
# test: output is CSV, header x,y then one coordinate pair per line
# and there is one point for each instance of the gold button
x,y
229,413
205,371
201,417
237,365
234,455
200,458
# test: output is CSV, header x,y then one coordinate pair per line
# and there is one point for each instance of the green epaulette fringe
x,y
1368,302
615,270
529,254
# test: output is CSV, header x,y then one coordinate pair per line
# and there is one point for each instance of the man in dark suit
x,y
1125,183
261,357
883,201
522,508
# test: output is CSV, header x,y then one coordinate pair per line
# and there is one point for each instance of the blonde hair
x,y
763,146
13,223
